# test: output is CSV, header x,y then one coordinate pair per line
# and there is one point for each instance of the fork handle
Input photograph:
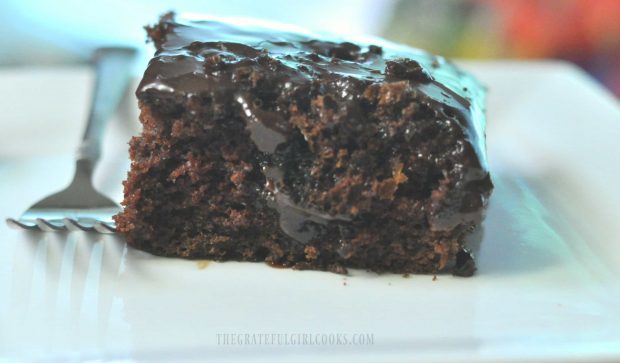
x,y
113,73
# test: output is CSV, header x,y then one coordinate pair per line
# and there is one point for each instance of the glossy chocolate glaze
x,y
207,57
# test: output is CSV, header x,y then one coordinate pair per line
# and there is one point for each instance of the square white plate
x,y
548,264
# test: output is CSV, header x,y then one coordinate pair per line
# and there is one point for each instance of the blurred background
x,y
586,32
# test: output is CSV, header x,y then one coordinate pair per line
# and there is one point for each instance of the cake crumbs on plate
x,y
202,264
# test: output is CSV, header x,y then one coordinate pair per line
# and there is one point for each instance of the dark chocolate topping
x,y
184,65
204,57
464,265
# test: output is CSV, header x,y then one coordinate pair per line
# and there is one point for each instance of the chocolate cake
x,y
304,151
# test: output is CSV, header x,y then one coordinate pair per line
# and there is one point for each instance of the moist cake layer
x,y
274,145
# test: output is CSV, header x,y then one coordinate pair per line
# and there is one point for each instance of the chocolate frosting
x,y
195,53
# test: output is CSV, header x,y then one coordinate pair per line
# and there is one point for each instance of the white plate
x,y
546,289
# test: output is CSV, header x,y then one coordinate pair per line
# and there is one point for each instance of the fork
x,y
80,206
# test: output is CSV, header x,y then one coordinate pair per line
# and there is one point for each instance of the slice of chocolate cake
x,y
270,145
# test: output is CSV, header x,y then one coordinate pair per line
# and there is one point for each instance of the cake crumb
x,y
202,264
311,252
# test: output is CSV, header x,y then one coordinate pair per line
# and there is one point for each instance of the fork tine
x,y
103,227
13,223
74,226
47,226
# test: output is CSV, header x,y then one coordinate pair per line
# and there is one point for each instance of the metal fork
x,y
80,206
